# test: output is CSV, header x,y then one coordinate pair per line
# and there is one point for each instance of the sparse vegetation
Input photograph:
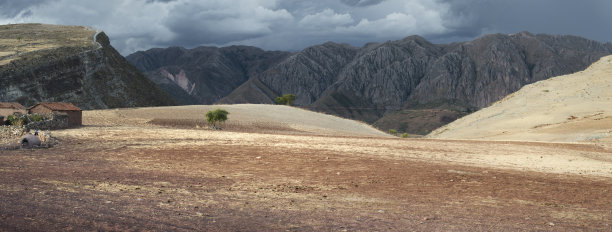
x,y
216,116
21,120
286,99
36,117
393,131
13,120
405,135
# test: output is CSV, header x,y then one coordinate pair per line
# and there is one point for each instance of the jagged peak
x,y
102,39
523,34
414,38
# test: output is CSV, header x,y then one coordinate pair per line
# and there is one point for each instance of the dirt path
x,y
164,179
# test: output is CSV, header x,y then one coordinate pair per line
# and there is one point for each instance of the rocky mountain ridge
x,y
70,64
410,85
203,75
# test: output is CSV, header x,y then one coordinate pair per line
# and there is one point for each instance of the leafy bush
x,y
286,99
36,117
16,120
21,120
9,120
215,116
405,135
393,132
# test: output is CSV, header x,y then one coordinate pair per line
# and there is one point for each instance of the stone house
x,y
75,115
9,108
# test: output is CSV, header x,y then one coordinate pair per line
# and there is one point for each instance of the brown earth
x,y
120,172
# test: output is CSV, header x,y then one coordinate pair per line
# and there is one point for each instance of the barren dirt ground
x,y
129,175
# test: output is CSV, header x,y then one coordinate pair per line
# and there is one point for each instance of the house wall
x,y
9,111
75,118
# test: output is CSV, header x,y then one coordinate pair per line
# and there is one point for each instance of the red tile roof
x,y
59,106
12,105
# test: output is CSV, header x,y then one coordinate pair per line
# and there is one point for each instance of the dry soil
x,y
123,172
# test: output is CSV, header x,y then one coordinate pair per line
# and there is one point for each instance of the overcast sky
x,y
292,25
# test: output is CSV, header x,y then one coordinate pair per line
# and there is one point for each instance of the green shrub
x,y
286,99
16,120
10,119
393,132
405,135
36,117
215,116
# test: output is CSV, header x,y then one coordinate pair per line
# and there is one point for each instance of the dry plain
x,y
276,168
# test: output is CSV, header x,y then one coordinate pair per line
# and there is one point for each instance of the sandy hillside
x,y
570,108
242,118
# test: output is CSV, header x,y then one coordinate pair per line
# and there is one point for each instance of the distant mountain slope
x,y
203,75
570,108
410,85
70,63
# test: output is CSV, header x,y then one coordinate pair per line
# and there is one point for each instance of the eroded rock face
x,y
416,77
203,75
91,75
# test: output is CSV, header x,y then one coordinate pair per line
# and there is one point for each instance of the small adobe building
x,y
9,108
75,115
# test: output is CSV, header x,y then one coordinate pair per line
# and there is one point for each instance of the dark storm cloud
x,y
200,23
361,2
590,18
12,8
294,24
152,1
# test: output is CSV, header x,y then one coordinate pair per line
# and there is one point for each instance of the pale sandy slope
x,y
570,108
242,117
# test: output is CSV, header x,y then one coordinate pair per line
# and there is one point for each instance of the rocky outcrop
x,y
72,64
307,74
203,75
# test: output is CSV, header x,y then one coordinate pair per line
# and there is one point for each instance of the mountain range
x,y
410,85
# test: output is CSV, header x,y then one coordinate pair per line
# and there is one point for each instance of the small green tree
x,y
286,99
215,116
280,100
